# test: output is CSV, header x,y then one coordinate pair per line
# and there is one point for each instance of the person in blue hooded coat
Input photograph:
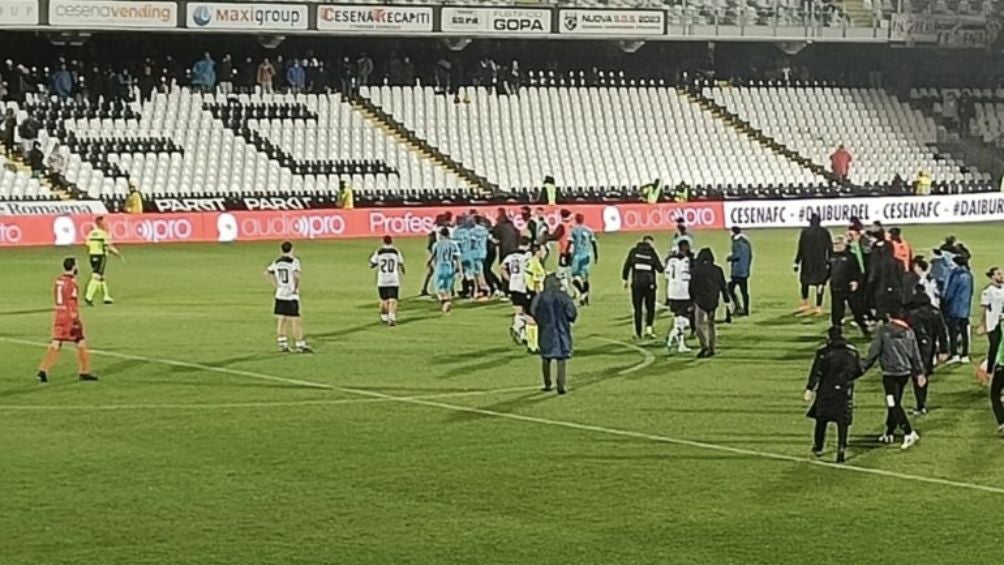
x,y
741,261
204,73
956,305
554,312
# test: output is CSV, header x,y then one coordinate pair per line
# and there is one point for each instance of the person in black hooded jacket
x,y
929,329
830,388
707,283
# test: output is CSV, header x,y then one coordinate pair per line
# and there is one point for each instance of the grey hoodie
x,y
895,348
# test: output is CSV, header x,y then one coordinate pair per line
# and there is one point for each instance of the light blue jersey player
x,y
584,249
479,253
445,261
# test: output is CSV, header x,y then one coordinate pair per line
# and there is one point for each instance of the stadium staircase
x,y
16,164
397,130
743,127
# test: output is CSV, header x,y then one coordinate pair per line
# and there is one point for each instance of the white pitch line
x,y
568,425
228,405
649,358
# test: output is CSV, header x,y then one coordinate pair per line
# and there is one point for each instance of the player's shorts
x,y
581,266
681,307
68,330
444,281
467,264
520,300
98,263
478,266
287,308
388,292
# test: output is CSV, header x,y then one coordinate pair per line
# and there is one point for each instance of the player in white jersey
x,y
514,271
284,274
389,264
678,297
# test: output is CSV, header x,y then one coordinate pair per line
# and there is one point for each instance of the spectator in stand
x,y
204,73
61,83
365,66
28,130
265,77
36,160
346,77
408,72
124,84
147,82
514,79
226,75
395,70
134,202
840,163
317,77
922,186
296,76
55,162
9,128
171,72
281,66
246,76
346,196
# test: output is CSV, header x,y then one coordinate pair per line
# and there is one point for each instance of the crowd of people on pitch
x,y
471,245
916,312
695,288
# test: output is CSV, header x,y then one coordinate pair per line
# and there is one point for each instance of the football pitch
x,y
431,443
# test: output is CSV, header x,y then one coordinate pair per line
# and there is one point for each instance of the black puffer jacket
x,y
707,282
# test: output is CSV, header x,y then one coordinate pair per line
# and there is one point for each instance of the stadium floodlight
x,y
69,38
790,48
271,41
630,46
456,43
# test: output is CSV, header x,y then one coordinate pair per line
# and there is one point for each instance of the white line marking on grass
x,y
564,424
649,358
228,405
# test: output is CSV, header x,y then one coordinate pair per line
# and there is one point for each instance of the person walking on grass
x,y
707,282
895,349
811,262
956,305
929,328
641,266
554,312
740,260
846,279
830,388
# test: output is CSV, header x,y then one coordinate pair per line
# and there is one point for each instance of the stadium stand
x,y
590,137
887,136
189,143
18,184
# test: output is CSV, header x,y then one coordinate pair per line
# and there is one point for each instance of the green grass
x,y
177,464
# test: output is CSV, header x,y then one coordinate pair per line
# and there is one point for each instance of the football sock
x,y
92,289
301,344
819,297
585,287
84,360
392,317
283,342
578,286
49,360
531,337
104,290
518,322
